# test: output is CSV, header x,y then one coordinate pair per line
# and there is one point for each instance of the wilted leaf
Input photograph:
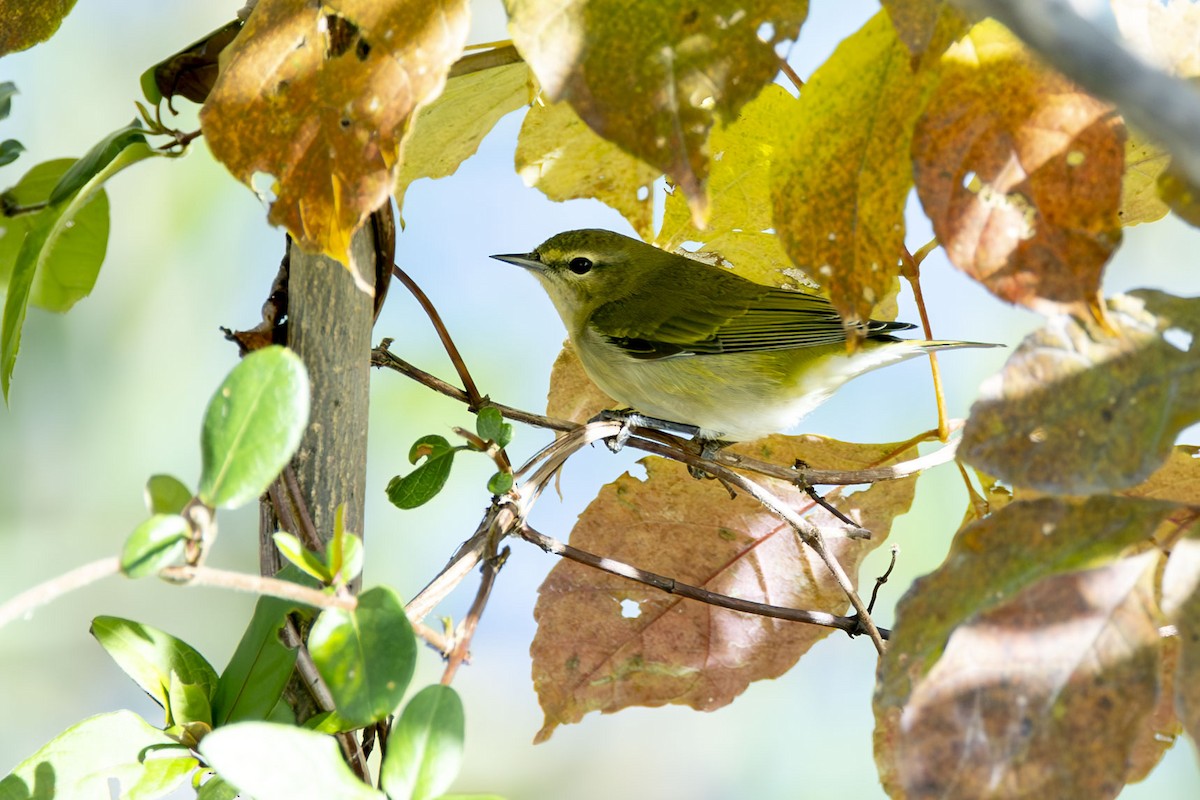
x,y
1020,172
916,21
605,643
739,190
1144,162
842,181
1028,663
425,747
655,74
320,98
1181,602
1178,480
84,760
366,656
1050,419
1162,33
448,131
572,394
27,22
562,157
192,71
252,426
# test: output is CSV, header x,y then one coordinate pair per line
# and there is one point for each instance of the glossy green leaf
x,y
425,746
95,160
149,85
278,762
166,494
217,788
253,426
150,656
423,483
491,427
345,551
82,760
61,247
291,549
156,543
366,656
188,702
9,150
258,670
7,90
500,483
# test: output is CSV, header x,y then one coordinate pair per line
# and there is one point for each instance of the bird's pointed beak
x,y
526,260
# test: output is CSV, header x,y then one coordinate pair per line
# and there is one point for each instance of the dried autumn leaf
x,y
1181,602
319,99
1070,414
562,157
841,183
1179,194
653,76
572,394
916,21
27,22
605,643
739,190
1144,162
448,131
1035,631
1162,33
1020,172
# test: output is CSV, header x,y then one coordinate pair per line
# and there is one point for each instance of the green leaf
x,y
7,90
500,483
259,668
82,760
150,85
425,746
253,426
156,543
217,788
62,246
96,159
9,150
150,656
277,762
306,560
423,483
345,551
491,427
188,702
166,494
366,656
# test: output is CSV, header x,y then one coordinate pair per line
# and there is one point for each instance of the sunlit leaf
x,y
1020,172
1049,419
1181,602
425,747
366,656
317,99
604,643
655,74
166,494
491,427
156,543
280,762
916,21
252,426
1161,33
1144,162
27,22
291,549
95,160
84,760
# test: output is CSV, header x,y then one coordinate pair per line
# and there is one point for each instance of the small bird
x,y
693,343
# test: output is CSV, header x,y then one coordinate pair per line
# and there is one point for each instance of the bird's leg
x,y
708,449
631,419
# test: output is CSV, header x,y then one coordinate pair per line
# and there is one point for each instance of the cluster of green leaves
x,y
423,483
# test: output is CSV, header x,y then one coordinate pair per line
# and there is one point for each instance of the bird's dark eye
x,y
580,265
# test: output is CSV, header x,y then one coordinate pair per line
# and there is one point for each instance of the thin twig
x,y
308,530
787,70
462,640
912,272
672,586
24,604
256,584
882,579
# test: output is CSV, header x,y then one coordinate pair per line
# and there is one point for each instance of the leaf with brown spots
x,y
1074,412
842,181
319,97
1145,161
916,21
1029,663
27,22
1020,172
565,159
1181,602
653,76
605,643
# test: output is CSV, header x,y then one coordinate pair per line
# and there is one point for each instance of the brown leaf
x,y
653,75
27,22
319,100
605,643
842,181
1181,602
572,394
916,20
1028,664
1020,172
1073,414
1144,162
192,72
1179,194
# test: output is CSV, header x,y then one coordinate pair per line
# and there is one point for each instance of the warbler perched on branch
x,y
692,343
